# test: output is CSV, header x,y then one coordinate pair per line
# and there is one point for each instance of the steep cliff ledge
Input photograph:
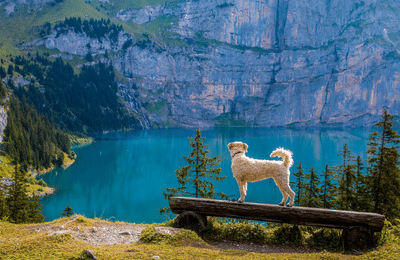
x,y
260,63
3,121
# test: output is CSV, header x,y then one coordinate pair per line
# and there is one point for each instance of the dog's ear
x,y
230,145
245,146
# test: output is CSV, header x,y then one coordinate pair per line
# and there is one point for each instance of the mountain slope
x,y
257,63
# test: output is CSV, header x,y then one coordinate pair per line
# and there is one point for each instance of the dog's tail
x,y
286,155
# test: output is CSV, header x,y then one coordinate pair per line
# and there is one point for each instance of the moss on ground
x,y
24,242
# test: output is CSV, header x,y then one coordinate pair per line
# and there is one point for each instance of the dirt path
x,y
101,233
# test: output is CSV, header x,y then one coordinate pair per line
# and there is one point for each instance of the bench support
x,y
358,227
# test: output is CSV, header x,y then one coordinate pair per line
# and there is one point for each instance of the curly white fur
x,y
247,169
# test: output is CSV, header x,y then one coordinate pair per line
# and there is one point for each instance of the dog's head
x,y
237,147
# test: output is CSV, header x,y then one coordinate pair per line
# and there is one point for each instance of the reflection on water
x,y
123,175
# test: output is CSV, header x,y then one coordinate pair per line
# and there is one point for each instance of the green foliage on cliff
x,y
229,119
32,140
92,28
84,102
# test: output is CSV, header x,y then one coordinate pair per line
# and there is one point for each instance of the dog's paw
x,y
240,201
281,204
288,205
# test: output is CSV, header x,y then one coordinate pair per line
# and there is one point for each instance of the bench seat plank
x,y
274,213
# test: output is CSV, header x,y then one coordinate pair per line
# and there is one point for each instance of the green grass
x,y
129,4
24,242
6,169
19,27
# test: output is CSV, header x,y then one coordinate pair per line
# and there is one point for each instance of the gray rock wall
x,y
3,122
266,63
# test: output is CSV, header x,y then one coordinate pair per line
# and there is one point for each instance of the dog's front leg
x,y
243,191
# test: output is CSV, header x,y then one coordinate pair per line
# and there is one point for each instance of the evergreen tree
x,y
4,214
17,201
10,70
383,180
328,189
299,185
361,202
195,177
35,210
3,90
67,212
312,189
346,177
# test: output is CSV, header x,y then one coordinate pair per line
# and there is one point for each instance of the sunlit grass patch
x,y
6,169
30,242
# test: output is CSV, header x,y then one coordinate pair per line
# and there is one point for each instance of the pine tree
x,y
3,90
328,189
195,177
17,201
67,212
383,180
299,185
345,177
4,214
35,210
312,189
361,202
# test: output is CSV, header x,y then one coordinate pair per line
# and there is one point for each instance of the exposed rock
x,y
284,63
143,15
89,253
260,63
12,4
167,230
20,81
81,44
56,233
10,8
3,121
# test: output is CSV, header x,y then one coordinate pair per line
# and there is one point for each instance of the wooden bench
x,y
358,226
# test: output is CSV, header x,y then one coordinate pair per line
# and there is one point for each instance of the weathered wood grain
x,y
275,213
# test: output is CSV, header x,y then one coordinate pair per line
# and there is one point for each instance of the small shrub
x,y
389,232
288,233
41,182
31,180
231,229
150,236
184,237
328,238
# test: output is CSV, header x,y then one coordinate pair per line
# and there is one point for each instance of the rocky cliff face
x,y
3,122
10,5
265,62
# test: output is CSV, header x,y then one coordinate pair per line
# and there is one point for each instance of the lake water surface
x,y
122,176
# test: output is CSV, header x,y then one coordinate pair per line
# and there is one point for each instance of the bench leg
x,y
192,221
357,239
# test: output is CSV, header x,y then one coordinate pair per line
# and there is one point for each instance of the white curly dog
x,y
247,169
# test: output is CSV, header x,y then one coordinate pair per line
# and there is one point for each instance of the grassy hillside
x,y
23,26
34,241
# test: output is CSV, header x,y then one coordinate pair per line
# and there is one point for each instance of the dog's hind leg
x,y
284,199
283,190
291,194
243,190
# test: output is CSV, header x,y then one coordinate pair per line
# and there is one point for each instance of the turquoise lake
x,y
121,177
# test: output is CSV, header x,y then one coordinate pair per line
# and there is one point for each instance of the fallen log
x,y
273,213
